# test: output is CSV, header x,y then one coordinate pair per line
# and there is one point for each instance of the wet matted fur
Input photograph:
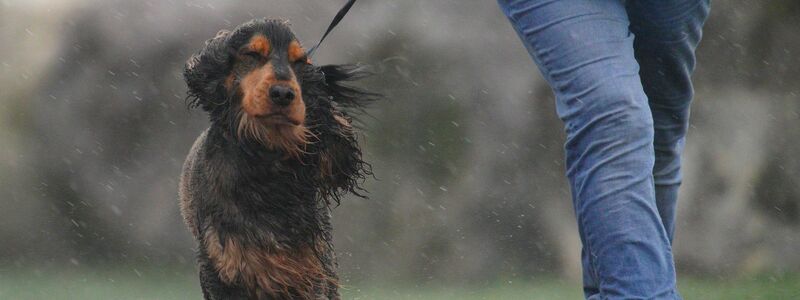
x,y
258,184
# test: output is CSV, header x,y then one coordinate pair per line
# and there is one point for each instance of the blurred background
x,y
470,200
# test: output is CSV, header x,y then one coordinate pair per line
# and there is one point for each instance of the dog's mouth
x,y
278,119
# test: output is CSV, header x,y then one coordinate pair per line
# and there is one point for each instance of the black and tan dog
x,y
257,185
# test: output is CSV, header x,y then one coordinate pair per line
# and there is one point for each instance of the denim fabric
x,y
621,73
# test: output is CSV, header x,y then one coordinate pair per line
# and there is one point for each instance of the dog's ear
x,y
351,98
341,167
205,73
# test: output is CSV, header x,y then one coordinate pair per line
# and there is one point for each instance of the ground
x,y
179,283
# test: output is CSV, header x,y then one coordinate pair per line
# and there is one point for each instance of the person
x,y
621,73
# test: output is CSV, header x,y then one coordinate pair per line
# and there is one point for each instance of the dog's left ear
x,y
352,99
341,166
205,73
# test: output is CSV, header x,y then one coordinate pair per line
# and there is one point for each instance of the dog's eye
x,y
253,54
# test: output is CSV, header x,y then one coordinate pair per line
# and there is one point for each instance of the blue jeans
x,y
621,73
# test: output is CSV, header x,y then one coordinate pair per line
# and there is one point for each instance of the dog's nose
x,y
281,95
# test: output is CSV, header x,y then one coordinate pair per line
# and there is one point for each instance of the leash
x,y
338,18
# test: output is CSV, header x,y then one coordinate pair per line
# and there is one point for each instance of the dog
x,y
257,186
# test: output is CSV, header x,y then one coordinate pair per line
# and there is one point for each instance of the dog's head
x,y
257,84
249,79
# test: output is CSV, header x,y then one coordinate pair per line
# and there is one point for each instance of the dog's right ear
x,y
205,73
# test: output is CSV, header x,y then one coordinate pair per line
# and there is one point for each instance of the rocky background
x,y
466,148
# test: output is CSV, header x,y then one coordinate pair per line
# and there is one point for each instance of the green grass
x,y
151,283
766,287
543,289
123,283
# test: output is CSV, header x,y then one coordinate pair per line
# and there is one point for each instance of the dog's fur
x,y
258,184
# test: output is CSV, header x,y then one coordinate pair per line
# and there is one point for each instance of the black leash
x,y
338,18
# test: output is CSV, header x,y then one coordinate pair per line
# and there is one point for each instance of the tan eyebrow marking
x,y
296,52
259,44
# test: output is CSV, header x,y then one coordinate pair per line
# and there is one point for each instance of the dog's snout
x,y
281,95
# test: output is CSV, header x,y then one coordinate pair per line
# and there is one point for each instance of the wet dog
x,y
258,184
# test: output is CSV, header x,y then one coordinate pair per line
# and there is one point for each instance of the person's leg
x,y
667,33
585,51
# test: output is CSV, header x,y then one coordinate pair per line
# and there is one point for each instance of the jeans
x,y
621,73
